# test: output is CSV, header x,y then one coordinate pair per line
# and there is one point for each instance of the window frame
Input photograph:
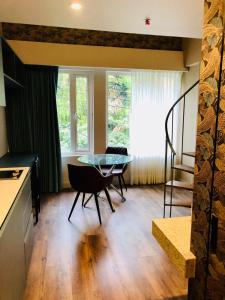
x,y
112,72
73,74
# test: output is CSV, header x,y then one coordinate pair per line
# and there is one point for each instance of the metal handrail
x,y
168,115
170,143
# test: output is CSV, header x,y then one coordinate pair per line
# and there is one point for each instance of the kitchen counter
x,y
16,233
9,189
31,160
174,236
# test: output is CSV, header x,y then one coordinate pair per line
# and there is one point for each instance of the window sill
x,y
75,154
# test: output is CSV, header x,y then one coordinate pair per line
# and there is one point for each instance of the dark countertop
x,y
17,160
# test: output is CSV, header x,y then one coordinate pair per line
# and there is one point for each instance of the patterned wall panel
x,y
216,277
35,33
205,146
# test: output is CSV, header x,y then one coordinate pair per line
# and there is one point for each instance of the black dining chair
x,y
87,179
119,170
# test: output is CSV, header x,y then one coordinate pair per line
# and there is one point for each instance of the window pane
x,y
119,101
82,112
63,108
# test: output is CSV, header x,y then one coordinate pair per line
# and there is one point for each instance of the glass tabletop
x,y
105,159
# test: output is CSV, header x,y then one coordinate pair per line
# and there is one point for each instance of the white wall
x,y
192,51
192,56
191,109
3,135
190,121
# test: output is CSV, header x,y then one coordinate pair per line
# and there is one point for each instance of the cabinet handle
x,y
214,233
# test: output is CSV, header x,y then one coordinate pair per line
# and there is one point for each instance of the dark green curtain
x,y
32,122
18,121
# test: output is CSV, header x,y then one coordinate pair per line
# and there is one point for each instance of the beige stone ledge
x,y
173,235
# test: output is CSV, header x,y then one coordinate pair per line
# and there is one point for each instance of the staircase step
x,y
178,205
185,168
176,201
180,185
192,154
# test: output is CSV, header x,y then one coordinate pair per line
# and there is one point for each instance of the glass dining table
x,y
101,160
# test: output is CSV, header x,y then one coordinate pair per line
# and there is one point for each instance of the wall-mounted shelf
x,y
13,68
11,83
174,235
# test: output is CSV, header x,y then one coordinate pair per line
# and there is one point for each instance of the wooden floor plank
x,y
118,261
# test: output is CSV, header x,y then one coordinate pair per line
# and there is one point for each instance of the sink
x,y
10,174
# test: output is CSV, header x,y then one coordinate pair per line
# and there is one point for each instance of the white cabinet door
x,y
16,240
12,270
28,242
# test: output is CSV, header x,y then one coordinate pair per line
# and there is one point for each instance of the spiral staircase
x,y
174,158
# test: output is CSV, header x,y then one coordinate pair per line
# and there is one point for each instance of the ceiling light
x,y
75,5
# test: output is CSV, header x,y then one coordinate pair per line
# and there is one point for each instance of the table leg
x,y
118,192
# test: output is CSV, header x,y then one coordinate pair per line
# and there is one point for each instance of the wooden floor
x,y
117,261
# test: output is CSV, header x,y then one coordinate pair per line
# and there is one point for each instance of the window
x,y
74,106
138,102
119,103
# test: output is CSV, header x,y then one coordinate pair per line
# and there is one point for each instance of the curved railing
x,y
170,140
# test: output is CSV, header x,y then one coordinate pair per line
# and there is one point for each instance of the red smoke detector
x,y
147,21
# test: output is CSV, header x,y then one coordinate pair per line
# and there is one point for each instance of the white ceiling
x,y
181,18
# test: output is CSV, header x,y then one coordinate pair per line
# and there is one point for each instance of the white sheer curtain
x,y
153,93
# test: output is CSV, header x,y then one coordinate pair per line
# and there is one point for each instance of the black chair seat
x,y
87,179
114,171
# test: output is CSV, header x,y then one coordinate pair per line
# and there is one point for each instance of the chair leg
x,y
109,199
83,199
120,184
98,210
88,199
74,203
124,182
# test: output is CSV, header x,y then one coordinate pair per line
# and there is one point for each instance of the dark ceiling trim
x,y
36,33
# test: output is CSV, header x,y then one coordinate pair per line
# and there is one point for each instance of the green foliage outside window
x,y
63,109
80,119
119,102
82,112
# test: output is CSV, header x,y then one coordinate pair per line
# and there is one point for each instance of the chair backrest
x,y
87,179
116,150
